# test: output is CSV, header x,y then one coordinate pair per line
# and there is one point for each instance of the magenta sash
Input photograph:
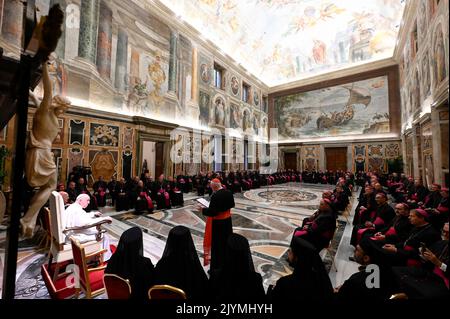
x,y
438,271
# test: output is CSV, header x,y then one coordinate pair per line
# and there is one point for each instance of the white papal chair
x,y
60,249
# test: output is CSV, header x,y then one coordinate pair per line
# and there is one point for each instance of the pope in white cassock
x,y
76,216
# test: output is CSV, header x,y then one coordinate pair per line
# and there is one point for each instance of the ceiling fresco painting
x,y
281,41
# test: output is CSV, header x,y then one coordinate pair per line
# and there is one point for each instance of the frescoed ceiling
x,y
280,41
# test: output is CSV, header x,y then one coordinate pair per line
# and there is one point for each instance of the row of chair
x,y
87,276
120,288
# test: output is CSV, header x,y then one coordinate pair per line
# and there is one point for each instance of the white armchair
x,y
60,249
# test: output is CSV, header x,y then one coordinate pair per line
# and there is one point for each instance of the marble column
x,y
121,59
194,83
87,42
60,49
104,41
12,22
173,61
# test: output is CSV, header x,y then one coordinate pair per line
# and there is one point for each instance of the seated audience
x,y
417,194
423,234
397,230
100,188
121,196
340,199
431,281
366,206
320,230
143,201
112,190
377,220
160,193
175,192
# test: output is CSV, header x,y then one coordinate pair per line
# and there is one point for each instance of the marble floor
x,y
265,216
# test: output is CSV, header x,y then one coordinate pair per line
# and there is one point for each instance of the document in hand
x,y
203,201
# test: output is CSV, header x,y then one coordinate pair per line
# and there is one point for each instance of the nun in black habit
x,y
128,262
237,280
180,266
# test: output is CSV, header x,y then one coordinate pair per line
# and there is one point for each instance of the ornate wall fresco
x,y
425,76
355,108
335,34
235,85
425,66
130,62
205,106
219,111
439,61
146,96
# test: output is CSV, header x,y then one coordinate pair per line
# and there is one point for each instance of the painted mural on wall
x,y
146,96
58,77
204,104
235,116
246,120
425,78
355,108
131,52
219,111
235,86
205,70
439,61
